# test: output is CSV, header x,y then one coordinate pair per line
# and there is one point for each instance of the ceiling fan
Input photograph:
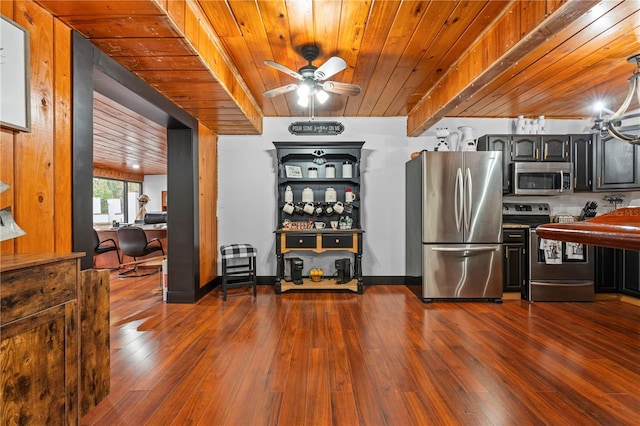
x,y
312,79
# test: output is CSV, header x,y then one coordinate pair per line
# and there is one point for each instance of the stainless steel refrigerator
x,y
454,224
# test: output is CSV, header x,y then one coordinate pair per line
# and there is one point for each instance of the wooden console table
x,y
319,241
54,338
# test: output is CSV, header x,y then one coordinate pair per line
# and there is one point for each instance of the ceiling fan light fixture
x,y
610,125
322,96
303,90
303,101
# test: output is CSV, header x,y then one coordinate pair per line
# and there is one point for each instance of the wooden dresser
x,y
41,339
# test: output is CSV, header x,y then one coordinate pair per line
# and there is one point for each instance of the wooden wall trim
x,y
506,42
208,195
62,137
116,174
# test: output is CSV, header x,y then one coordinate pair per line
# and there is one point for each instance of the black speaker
x,y
343,271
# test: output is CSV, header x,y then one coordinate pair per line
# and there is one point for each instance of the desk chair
x,y
238,267
134,243
99,248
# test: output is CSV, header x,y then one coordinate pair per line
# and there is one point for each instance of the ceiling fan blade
x,y
333,66
341,88
284,69
280,90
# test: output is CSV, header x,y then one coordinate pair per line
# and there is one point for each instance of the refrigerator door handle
x,y
468,188
455,249
458,196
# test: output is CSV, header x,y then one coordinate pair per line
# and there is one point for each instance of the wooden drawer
x,y
343,241
514,236
30,290
300,241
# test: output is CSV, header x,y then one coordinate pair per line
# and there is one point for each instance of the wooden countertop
x,y
617,229
10,262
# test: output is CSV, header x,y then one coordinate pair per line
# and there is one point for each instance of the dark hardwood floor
x,y
381,358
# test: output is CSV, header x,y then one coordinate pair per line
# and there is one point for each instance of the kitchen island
x,y
617,229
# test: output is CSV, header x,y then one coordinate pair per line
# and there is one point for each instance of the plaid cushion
x,y
234,251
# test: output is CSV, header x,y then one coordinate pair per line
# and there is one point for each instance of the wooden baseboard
x,y
630,299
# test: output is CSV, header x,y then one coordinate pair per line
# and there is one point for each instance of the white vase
x,y
534,127
542,125
520,125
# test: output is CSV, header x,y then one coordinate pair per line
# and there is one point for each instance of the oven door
x,y
555,260
542,178
560,272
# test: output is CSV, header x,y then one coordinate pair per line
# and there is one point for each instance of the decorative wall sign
x,y
15,110
316,128
293,171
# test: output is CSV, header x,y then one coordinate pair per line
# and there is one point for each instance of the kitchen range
x,y
557,271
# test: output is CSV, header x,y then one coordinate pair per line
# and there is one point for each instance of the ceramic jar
x,y
307,195
288,195
347,169
330,195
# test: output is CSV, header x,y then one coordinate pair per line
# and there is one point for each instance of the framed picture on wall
x,y
15,110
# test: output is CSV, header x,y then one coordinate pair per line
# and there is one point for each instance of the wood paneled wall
x,y
37,165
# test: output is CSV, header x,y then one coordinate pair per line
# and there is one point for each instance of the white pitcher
x,y
468,138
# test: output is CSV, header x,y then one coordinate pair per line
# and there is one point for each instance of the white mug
x,y
320,225
309,208
288,208
338,207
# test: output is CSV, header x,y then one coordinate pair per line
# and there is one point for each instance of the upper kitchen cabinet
x,y
617,164
499,143
541,148
582,153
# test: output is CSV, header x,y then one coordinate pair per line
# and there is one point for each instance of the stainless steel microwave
x,y
541,178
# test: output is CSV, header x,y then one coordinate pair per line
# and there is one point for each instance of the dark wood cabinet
x,y
515,259
541,148
617,164
555,147
607,269
582,147
499,143
525,148
329,173
630,280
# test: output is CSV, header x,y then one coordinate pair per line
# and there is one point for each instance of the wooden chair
x,y
238,267
99,248
134,243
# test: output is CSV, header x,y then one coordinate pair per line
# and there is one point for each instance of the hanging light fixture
x,y
613,124
321,96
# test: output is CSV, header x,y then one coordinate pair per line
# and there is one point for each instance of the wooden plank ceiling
x,y
125,141
420,59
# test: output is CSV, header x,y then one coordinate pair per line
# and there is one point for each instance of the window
x,y
114,200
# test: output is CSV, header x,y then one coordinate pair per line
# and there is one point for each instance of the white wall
x,y
153,185
247,183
